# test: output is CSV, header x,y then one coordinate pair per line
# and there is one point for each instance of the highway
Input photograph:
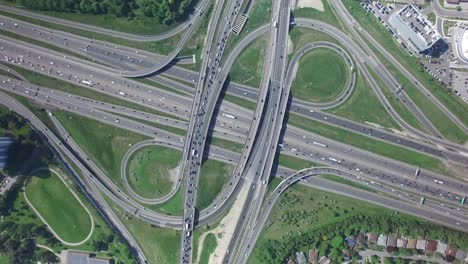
x,y
303,142
105,31
354,27
240,91
92,194
261,131
264,150
310,176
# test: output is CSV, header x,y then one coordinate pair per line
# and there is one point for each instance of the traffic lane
x,y
308,142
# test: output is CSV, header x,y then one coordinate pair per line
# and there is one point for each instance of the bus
x,y
422,200
463,200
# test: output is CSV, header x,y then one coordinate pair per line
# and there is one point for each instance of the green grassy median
x,y
151,171
213,175
104,144
56,204
367,143
321,77
248,66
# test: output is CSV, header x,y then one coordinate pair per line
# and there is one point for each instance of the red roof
x,y
431,245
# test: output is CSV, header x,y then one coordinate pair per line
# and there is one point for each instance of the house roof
x,y
382,240
411,243
313,255
392,241
431,245
451,251
421,244
372,237
401,243
441,247
461,254
360,238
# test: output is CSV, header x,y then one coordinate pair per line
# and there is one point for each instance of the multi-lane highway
x,y
261,131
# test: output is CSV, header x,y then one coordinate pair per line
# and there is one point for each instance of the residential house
x,y
360,238
346,255
372,238
81,257
324,260
431,245
351,242
313,256
411,243
461,255
421,245
382,240
450,253
301,258
401,243
290,261
391,243
441,247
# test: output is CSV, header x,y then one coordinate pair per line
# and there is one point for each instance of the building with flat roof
x,y
382,240
414,29
441,247
81,257
5,143
401,243
421,244
313,256
301,258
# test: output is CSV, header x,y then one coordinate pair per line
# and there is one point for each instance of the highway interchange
x,y
261,130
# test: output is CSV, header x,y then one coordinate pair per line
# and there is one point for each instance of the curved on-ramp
x,y
123,173
71,244
294,64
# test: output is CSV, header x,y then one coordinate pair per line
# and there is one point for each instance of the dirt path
x,y
223,232
316,4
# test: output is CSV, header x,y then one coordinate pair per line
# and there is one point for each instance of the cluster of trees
x,y
17,241
329,239
167,11
25,141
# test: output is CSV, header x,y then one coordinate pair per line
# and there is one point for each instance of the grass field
x,y
295,163
301,36
104,144
150,168
444,95
160,245
348,182
226,144
209,246
213,175
248,66
196,41
240,101
397,104
364,142
302,209
321,77
56,204
53,83
327,15
175,205
363,106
